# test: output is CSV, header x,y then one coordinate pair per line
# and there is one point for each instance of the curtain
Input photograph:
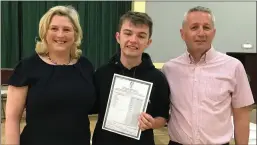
x,y
99,21
10,39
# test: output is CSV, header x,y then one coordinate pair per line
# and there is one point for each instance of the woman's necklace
x,y
54,62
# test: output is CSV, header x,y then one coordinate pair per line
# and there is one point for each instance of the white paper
x,y
128,98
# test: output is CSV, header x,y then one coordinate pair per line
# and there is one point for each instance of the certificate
x,y
128,98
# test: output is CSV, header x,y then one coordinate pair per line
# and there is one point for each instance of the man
x,y
207,87
133,36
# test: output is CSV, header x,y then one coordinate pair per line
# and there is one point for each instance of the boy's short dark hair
x,y
137,18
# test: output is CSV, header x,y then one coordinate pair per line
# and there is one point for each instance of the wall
x,y
139,6
235,24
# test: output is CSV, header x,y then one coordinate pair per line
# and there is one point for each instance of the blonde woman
x,y
54,85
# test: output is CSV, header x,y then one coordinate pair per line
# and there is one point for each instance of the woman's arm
x,y
16,98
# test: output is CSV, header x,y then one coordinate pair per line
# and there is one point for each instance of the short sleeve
x,y
161,102
242,96
89,73
87,65
95,109
19,77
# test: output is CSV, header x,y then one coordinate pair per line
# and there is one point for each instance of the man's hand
x,y
146,121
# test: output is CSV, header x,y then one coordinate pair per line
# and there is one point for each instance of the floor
x,y
161,135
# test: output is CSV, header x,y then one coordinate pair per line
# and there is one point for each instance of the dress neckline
x,y
53,65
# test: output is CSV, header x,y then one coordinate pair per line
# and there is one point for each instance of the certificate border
x,y
110,98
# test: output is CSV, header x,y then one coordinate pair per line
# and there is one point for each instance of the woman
x,y
54,85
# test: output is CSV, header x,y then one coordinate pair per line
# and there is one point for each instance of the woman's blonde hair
x,y
72,14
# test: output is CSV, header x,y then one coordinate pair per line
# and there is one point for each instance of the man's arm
x,y
146,121
159,122
242,99
161,106
241,124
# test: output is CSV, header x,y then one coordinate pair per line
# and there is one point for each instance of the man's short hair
x,y
137,18
199,9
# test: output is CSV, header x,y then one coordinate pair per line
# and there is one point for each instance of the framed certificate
x,y
128,98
